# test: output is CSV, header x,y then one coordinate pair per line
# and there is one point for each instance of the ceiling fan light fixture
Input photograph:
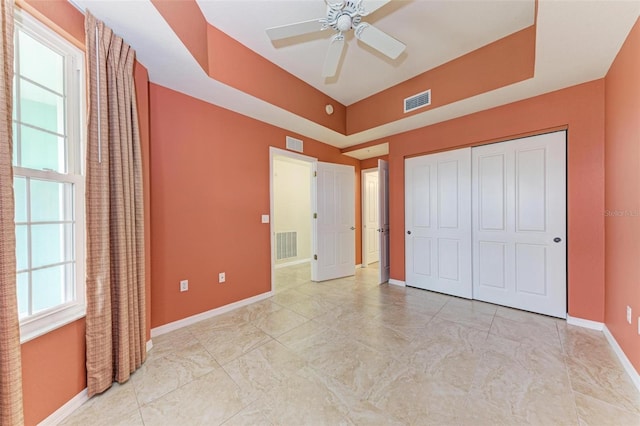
x,y
344,22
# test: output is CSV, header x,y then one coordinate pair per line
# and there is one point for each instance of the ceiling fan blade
x,y
332,60
371,6
292,30
379,40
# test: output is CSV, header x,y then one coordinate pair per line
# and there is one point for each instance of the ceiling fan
x,y
342,16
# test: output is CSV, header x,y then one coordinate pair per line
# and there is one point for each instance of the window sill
x,y
36,327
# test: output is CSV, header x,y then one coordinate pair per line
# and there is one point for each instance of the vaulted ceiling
x,y
472,54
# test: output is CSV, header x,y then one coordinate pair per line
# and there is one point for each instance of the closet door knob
x,y
409,232
557,239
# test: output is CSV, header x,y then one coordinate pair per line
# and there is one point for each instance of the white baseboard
x,y
585,323
63,412
149,345
595,325
628,367
292,263
397,282
155,332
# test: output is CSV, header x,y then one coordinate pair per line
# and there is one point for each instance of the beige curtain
x,y
115,234
10,364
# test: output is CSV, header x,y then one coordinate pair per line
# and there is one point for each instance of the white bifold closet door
x,y
438,222
489,223
519,224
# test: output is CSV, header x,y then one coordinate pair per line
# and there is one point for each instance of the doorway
x,y
375,219
312,216
370,212
291,216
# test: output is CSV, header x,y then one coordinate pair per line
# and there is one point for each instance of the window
x,y
48,118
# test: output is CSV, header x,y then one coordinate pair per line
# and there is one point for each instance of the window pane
x,y
48,201
41,150
20,192
22,247
16,143
48,244
23,294
48,287
41,108
40,64
15,96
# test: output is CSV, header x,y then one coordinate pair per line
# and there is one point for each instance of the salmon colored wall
x,y
230,62
60,15
622,200
498,64
372,163
53,371
210,174
189,24
581,110
53,365
141,77
234,64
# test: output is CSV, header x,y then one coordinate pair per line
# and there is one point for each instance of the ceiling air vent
x,y
417,101
294,144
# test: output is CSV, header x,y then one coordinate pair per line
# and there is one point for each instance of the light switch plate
x,y
265,218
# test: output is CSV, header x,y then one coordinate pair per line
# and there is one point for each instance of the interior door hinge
x,y
315,257
315,215
315,174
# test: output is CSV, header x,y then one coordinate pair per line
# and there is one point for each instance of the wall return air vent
x,y
294,144
417,101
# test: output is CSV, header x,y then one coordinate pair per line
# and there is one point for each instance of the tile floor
x,y
350,351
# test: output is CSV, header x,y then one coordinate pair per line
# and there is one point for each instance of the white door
x,y
371,213
335,244
438,222
383,219
519,220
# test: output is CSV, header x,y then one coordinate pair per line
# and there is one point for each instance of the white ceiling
x,y
577,41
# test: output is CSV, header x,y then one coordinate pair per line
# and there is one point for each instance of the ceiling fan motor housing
x,y
344,17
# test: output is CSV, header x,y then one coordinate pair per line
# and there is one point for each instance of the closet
x,y
489,223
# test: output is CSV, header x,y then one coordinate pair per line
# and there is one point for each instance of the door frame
x,y
363,199
277,152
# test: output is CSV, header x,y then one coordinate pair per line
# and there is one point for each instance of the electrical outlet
x,y
184,285
222,277
629,314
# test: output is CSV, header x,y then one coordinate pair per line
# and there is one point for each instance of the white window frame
x,y
50,319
